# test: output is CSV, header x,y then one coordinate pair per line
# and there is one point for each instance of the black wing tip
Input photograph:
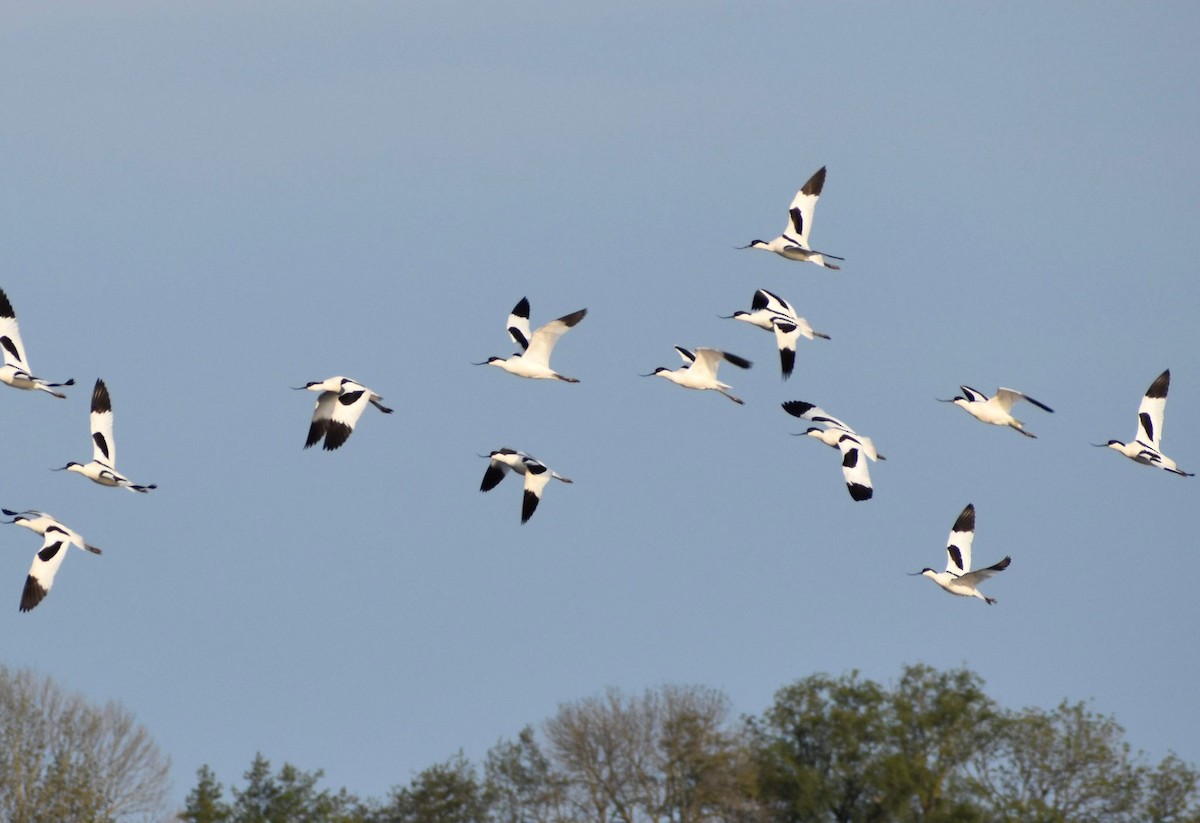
x,y
529,505
1158,389
570,320
815,183
797,408
860,492
101,402
32,594
315,432
787,362
491,477
6,309
522,308
966,519
740,362
336,435
1039,404
1002,565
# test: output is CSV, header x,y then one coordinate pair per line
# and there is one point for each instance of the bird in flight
x,y
534,358
958,578
1146,447
793,243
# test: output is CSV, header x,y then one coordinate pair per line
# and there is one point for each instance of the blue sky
x,y
206,204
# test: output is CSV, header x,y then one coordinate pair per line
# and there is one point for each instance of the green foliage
x,y
1069,764
444,793
291,796
204,803
931,748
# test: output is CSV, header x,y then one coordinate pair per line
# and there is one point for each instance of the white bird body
x,y
852,445
533,360
339,405
55,539
699,370
958,578
793,243
102,469
773,313
15,371
536,473
1146,447
996,410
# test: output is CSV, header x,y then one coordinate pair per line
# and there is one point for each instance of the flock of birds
x,y
342,401
56,537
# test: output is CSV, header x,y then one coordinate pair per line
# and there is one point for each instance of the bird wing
x,y
708,360
686,356
973,395
518,324
958,547
976,577
1151,409
854,468
537,475
1006,397
104,448
322,413
496,471
807,411
10,336
800,213
545,338
786,335
45,565
764,299
346,409
868,447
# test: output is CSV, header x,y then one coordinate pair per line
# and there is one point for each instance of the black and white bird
x,y
699,370
15,371
853,446
537,474
534,358
102,469
996,410
793,243
1146,446
56,538
772,313
958,577
339,405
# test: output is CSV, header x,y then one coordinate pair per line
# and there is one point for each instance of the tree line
x,y
930,748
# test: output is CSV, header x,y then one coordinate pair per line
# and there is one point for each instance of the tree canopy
x,y
930,748
63,760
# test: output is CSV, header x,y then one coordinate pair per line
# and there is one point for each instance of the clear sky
x,y
206,204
